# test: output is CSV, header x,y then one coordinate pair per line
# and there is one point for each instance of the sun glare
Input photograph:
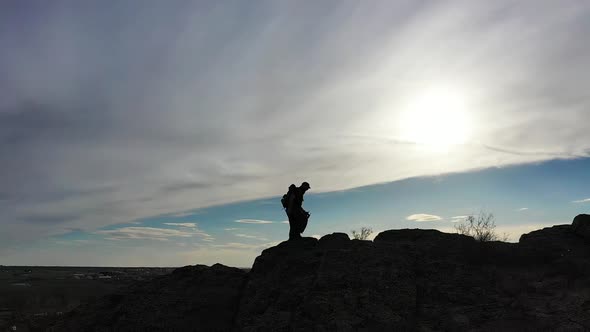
x,y
438,117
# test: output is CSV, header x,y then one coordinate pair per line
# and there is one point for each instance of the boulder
x,y
409,235
581,226
335,241
416,235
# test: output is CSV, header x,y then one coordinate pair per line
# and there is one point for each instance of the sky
x,y
139,132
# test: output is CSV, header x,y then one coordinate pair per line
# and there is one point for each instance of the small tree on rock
x,y
482,227
364,233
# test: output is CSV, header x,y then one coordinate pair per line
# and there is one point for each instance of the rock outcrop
x,y
192,298
411,279
581,225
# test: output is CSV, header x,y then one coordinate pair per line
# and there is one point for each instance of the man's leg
x,y
293,229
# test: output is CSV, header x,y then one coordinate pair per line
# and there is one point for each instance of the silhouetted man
x,y
294,207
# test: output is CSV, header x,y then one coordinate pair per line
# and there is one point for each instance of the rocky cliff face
x,y
404,280
192,298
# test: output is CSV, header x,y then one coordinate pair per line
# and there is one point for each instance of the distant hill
x,y
408,279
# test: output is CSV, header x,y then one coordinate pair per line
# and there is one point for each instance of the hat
x,y
305,184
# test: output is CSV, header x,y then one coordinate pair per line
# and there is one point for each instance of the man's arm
x,y
304,212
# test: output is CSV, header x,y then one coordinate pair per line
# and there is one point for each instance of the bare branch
x,y
364,233
481,227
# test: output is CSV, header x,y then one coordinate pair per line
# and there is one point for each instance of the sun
x,y
438,117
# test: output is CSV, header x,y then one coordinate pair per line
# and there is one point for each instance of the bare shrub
x,y
364,233
482,227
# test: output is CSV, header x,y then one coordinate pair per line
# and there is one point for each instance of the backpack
x,y
287,196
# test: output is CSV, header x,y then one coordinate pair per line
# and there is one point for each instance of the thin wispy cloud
x,y
236,245
270,202
73,242
585,200
423,217
181,224
254,221
150,233
183,214
244,246
523,209
254,237
458,218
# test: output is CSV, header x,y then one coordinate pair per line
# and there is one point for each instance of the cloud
x,y
423,217
183,214
181,224
236,245
523,209
247,236
49,219
73,242
231,229
563,154
585,200
458,218
245,246
188,186
91,136
254,221
150,233
270,202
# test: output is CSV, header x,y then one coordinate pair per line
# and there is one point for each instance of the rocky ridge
x,y
411,279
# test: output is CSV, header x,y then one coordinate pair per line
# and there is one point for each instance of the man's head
x,y
305,186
